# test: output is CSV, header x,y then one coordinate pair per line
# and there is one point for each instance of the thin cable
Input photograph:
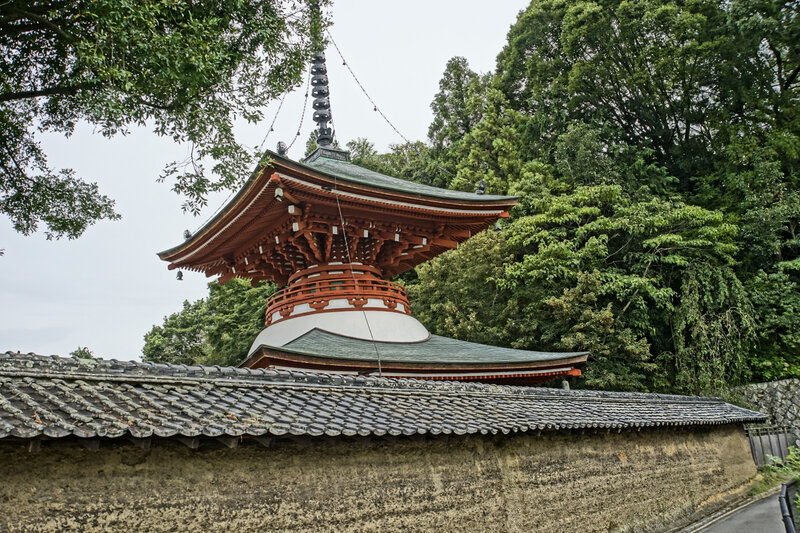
x,y
363,90
376,108
353,275
274,119
302,115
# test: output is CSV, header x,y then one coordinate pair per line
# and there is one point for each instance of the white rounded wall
x,y
382,326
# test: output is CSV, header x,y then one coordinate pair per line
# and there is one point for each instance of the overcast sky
x,y
106,289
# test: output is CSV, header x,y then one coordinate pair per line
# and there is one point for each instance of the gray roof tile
x,y
58,397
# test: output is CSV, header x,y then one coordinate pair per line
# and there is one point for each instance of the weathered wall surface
x,y
780,400
562,482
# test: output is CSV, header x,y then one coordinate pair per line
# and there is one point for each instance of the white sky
x,y
106,289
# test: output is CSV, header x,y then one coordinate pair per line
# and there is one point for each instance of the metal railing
x,y
787,500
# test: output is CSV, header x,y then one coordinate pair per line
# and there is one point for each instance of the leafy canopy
x,y
655,149
188,69
647,287
217,330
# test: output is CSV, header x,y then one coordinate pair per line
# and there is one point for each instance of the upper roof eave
x,y
272,158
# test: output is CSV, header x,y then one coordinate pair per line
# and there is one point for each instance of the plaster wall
x,y
553,482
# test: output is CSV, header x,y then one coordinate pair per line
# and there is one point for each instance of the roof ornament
x,y
322,104
321,93
322,113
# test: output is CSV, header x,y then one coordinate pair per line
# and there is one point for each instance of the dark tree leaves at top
x,y
187,69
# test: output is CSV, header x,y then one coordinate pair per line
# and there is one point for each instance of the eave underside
x,y
260,237
513,374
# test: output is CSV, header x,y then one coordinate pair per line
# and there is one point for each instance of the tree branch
x,y
778,62
22,95
48,23
792,77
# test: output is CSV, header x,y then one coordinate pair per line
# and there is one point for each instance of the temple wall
x,y
629,481
779,400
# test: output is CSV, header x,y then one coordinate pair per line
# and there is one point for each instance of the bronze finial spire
x,y
322,104
321,94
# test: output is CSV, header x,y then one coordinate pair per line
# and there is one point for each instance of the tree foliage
x,y
646,286
217,330
187,69
82,352
655,148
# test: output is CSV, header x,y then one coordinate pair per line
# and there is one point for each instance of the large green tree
x,y
646,286
678,80
217,330
654,147
188,69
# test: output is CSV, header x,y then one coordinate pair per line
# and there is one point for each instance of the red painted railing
x,y
318,294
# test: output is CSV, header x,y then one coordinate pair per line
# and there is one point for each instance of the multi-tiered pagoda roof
x,y
333,233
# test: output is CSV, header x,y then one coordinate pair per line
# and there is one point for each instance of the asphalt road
x,y
763,516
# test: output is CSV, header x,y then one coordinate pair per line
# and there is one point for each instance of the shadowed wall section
x,y
595,481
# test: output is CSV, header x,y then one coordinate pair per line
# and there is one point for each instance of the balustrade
x,y
315,295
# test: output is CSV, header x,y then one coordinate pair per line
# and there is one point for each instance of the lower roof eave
x,y
539,375
271,356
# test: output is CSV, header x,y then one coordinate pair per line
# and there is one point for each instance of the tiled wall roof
x,y
58,397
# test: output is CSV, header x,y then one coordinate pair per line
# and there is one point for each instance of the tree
x,y
491,151
659,75
453,118
187,68
457,110
460,294
769,33
413,161
776,300
655,150
182,338
82,352
364,154
646,286
217,330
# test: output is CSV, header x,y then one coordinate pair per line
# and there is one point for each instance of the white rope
x,y
353,275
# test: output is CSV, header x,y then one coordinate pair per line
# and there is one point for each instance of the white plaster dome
x,y
381,326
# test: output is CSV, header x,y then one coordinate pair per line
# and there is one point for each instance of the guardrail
x,y
787,500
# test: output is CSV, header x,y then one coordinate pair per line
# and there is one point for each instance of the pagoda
x,y
332,233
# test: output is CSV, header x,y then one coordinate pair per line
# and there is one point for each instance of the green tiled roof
x,y
356,174
352,173
436,349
